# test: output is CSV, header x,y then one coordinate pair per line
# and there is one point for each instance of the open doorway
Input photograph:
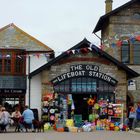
x,y
81,106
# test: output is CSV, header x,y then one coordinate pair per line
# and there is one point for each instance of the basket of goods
x,y
110,110
96,106
69,122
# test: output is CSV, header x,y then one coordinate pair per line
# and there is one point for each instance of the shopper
x,y
28,117
5,117
137,119
16,114
0,111
132,116
16,117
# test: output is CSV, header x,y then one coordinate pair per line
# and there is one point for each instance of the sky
x,y
60,24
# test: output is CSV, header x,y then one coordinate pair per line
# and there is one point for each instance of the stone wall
x,y
122,25
106,67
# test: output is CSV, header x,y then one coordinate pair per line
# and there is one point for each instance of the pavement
x,y
53,135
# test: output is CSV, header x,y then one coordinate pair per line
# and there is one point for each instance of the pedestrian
x,y
16,113
5,119
136,121
0,111
28,117
16,117
132,116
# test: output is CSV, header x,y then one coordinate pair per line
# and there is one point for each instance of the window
x,y
19,62
136,53
0,62
12,62
87,85
125,53
83,84
7,62
132,54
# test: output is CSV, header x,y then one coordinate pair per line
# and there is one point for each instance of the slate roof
x,y
12,37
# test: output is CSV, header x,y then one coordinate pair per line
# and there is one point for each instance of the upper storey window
x,y
19,62
125,53
136,52
7,57
130,53
12,62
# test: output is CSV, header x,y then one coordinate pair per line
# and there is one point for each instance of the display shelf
x,y
117,113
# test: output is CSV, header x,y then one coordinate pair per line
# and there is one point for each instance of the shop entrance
x,y
81,105
10,101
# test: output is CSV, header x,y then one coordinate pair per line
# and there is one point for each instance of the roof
x,y
16,33
85,43
105,17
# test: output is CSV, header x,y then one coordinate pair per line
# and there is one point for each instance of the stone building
x,y
120,37
81,72
20,54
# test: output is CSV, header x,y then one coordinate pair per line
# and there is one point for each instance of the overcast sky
x,y
60,24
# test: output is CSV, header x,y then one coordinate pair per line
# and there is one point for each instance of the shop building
x,y
20,54
120,37
82,72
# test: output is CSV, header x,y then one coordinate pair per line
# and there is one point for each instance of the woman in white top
x,y
5,117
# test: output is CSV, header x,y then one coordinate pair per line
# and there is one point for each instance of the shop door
x,y
81,106
10,101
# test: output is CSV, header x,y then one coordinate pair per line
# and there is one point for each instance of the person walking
x,y
137,119
132,116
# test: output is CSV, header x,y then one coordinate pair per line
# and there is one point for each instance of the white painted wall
x,y
37,61
35,91
35,99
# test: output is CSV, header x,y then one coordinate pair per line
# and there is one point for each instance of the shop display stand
x,y
118,113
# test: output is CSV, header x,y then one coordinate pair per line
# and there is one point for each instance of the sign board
x,y
131,85
12,91
84,70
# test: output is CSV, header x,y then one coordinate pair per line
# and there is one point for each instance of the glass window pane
x,y
7,62
125,53
93,85
0,62
137,53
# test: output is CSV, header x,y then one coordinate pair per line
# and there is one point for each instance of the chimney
x,y
108,5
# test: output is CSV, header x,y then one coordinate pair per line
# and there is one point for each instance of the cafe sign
x,y
87,71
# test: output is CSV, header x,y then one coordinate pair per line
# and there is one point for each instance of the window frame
x,y
137,51
10,69
125,44
109,91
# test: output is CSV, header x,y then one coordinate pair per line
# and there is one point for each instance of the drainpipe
x,y
29,101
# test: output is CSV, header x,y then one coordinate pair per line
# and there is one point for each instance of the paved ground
x,y
53,135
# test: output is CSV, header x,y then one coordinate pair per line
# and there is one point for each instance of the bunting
x,y
38,55
118,40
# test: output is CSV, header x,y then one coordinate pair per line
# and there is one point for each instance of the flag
x,y
102,47
119,43
84,50
113,45
137,38
132,39
94,48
